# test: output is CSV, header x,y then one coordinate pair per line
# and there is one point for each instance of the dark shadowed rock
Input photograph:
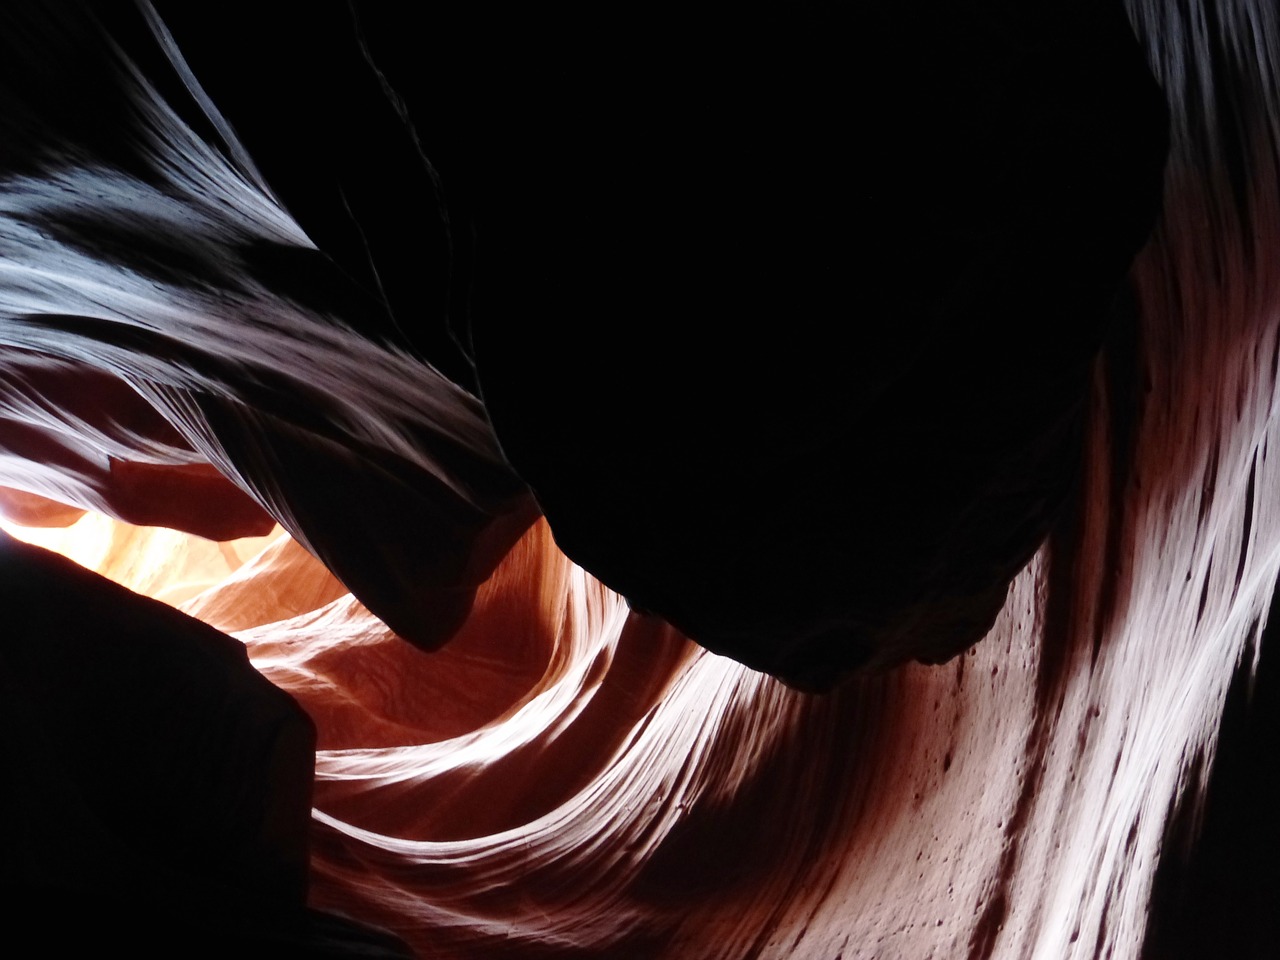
x,y
788,323
786,317
159,788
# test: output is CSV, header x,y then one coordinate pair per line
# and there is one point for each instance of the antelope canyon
x,y
640,483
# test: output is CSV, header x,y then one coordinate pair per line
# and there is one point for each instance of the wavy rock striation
x,y
195,342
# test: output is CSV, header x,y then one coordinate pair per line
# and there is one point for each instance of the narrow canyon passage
x,y
496,588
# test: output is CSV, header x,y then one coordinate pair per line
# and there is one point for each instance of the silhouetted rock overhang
x,y
792,336
787,319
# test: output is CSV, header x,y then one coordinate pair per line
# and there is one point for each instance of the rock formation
x,y
464,379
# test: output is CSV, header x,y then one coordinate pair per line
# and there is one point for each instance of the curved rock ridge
x,y
140,333
569,777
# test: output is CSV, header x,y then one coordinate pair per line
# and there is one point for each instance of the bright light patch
x,y
87,541
157,562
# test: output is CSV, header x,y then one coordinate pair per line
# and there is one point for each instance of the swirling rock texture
x,y
829,341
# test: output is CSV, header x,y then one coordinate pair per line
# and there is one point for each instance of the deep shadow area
x,y
1216,895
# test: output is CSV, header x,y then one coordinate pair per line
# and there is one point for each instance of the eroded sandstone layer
x,y
510,758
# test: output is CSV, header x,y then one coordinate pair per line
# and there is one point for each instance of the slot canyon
x,y
659,482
